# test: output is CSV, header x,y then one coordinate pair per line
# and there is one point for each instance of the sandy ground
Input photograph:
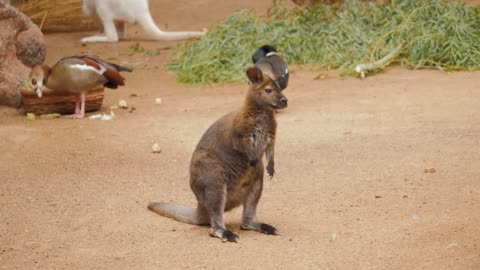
x,y
350,190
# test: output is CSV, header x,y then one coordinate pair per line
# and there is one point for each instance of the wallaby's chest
x,y
262,133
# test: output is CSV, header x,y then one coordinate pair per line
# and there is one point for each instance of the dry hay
x,y
57,15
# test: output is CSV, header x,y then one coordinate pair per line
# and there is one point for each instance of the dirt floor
x,y
351,191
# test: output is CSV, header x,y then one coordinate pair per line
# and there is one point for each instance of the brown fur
x,y
227,169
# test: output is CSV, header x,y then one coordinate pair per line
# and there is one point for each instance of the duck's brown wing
x,y
108,64
100,62
110,71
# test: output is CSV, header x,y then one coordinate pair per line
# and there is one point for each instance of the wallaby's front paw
x,y
230,237
271,168
268,229
253,161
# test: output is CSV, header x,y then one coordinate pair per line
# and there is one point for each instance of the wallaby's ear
x,y
254,74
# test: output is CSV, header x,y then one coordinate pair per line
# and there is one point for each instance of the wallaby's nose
x,y
284,101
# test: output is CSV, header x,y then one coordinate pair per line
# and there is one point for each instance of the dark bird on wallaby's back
x,y
226,168
268,56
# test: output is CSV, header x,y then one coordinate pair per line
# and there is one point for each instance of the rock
x,y
30,47
21,47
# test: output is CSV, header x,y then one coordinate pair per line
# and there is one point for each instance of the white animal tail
x,y
154,32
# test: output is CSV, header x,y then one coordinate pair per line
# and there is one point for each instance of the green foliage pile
x,y
431,33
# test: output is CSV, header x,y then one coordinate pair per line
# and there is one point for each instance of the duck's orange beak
x,y
37,86
39,92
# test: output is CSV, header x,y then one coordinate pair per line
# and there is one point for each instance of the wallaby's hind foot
x,y
268,229
260,227
224,235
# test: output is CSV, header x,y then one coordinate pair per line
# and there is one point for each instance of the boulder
x,y
22,46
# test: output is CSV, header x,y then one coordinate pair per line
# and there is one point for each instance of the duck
x,y
267,57
77,74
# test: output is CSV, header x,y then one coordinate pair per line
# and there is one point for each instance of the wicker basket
x,y
59,102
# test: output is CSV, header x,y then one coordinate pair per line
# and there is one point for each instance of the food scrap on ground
x,y
122,104
156,148
103,116
50,116
31,116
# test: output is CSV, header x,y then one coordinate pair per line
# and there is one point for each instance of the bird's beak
x,y
38,88
39,92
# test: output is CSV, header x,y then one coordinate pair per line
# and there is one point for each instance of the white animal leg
x,y
121,28
110,33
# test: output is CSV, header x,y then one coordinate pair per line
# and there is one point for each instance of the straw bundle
x,y
57,15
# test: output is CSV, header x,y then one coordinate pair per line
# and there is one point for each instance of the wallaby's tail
x,y
153,31
179,212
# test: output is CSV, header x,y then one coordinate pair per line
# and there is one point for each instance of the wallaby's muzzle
x,y
282,103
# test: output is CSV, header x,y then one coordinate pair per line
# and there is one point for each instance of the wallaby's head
x,y
264,91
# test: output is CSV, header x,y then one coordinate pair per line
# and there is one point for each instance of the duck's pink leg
x,y
82,107
79,107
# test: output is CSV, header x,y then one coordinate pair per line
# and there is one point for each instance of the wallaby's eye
x,y
34,81
268,90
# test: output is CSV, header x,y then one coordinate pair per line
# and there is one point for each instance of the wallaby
x,y
115,13
226,168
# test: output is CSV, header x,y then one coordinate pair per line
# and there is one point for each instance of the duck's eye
x,y
268,90
34,81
